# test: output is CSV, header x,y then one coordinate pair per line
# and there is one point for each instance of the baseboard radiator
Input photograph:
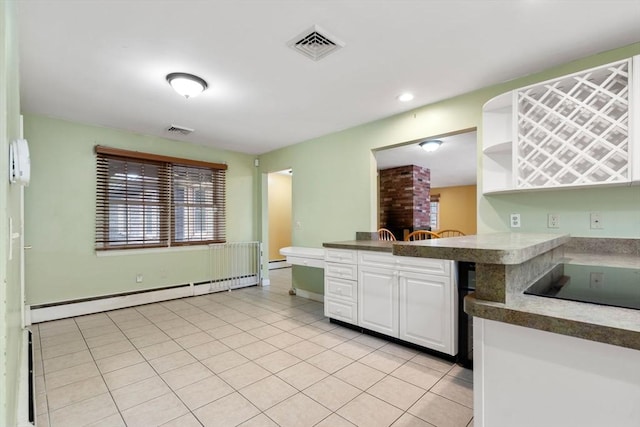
x,y
234,265
26,384
231,266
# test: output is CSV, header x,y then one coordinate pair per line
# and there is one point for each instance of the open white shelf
x,y
497,140
497,149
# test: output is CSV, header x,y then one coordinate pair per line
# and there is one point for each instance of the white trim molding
x,y
64,309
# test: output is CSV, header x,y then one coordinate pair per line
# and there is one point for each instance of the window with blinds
x,y
146,200
197,205
434,211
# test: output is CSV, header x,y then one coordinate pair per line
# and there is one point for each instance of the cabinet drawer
x,y
341,271
344,256
440,267
404,263
307,262
340,310
342,289
376,259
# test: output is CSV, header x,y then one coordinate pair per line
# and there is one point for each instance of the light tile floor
x,y
251,357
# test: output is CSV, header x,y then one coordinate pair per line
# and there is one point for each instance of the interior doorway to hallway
x,y
279,214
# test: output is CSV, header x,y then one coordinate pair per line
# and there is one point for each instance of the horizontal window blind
x,y
146,200
198,205
131,203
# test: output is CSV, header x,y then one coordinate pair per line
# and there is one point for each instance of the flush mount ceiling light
x,y
431,145
405,97
186,84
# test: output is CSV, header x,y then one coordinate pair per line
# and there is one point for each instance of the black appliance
x,y
612,286
466,285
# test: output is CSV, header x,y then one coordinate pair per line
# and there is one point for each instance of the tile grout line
x,y
98,368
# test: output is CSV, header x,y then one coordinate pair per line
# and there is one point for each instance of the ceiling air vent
x,y
315,43
179,129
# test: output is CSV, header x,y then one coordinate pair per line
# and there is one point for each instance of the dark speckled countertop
x,y
497,248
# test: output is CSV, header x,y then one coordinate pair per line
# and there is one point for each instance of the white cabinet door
x,y
378,300
427,310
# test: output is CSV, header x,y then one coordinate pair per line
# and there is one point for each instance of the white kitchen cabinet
x,y
574,131
378,299
341,256
341,285
346,311
410,298
426,311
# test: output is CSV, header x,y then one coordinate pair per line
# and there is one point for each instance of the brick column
x,y
404,199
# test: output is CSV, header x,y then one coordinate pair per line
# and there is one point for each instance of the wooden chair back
x,y
422,235
450,233
384,234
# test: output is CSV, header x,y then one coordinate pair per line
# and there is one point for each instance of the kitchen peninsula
x,y
543,361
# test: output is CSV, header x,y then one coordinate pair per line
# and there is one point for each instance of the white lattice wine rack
x,y
574,130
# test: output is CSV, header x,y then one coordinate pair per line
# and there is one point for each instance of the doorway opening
x,y
279,216
438,187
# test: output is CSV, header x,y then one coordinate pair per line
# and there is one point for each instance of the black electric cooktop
x,y
613,286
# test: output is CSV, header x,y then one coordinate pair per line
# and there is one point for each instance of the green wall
x,y
10,294
334,176
60,214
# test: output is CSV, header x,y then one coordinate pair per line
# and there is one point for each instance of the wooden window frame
x,y
166,227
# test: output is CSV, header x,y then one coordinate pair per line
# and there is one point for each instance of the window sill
x,y
145,251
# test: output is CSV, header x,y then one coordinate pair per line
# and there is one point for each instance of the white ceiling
x,y
104,62
454,163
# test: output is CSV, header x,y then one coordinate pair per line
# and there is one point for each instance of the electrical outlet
x,y
553,220
596,220
298,225
139,278
596,280
515,220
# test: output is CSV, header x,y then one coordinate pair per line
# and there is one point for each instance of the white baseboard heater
x,y
230,265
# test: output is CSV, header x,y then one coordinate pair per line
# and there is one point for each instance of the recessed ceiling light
x,y
405,97
186,84
431,145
